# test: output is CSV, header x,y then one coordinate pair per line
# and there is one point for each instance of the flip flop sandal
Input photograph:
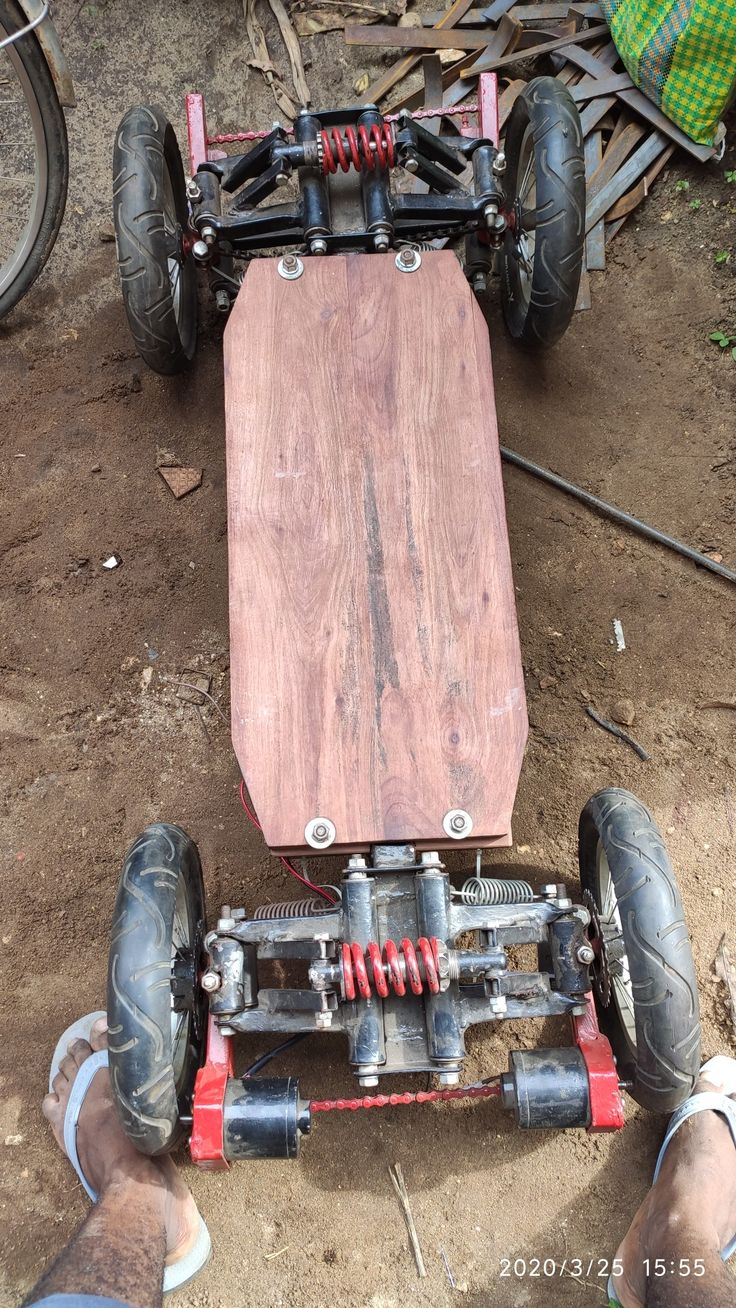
x,y
183,1269
721,1071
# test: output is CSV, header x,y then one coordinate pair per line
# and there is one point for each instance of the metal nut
x,y
408,260
586,954
457,824
323,1020
318,246
497,1004
448,1079
319,833
290,267
368,1082
222,300
193,192
499,163
211,981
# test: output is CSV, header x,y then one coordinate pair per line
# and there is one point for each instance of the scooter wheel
x,y
542,259
645,986
156,1011
158,277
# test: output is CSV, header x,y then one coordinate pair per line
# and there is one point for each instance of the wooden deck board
x,y
376,672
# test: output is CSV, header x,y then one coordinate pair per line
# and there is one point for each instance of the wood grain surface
x,y
375,662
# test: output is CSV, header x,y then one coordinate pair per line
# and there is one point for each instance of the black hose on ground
x,y
617,515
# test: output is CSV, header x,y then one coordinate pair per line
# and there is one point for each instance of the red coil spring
x,y
361,149
362,969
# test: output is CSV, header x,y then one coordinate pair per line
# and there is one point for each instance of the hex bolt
x,y
549,890
318,246
368,1082
201,250
211,982
222,300
381,242
497,1004
281,179
479,283
457,824
193,192
209,235
323,1020
449,1079
499,163
290,267
585,954
319,833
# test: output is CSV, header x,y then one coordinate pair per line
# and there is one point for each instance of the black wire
x,y
266,1058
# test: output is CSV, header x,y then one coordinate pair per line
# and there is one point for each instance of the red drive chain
x,y
490,1091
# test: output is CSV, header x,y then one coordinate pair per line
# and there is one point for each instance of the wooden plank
x,y
376,672
522,14
387,80
642,106
616,154
625,177
595,240
627,203
592,87
487,65
497,10
507,99
584,300
504,38
414,38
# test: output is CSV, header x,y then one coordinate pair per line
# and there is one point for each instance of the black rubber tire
x,y
149,1095
546,107
664,1062
145,151
28,49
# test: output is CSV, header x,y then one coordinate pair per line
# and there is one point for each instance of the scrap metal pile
x,y
628,140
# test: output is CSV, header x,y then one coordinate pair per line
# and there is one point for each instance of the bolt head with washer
x,y
457,824
290,267
319,833
408,260
586,954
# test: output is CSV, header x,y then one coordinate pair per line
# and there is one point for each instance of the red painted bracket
x,y
606,1103
488,107
196,131
207,1142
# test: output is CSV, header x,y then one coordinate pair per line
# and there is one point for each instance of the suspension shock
x,y
362,150
369,969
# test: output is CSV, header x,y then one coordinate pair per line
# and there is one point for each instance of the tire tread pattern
x,y
547,106
147,1097
145,149
666,1061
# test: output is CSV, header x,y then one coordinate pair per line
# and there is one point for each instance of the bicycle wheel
x,y
34,160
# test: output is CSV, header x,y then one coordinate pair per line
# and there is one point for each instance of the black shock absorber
x,y
374,181
315,200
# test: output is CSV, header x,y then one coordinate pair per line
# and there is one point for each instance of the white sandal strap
x,y
707,1101
184,1269
81,1084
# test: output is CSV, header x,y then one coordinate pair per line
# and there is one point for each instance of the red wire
x,y
289,867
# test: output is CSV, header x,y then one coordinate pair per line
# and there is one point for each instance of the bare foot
x,y
695,1197
106,1154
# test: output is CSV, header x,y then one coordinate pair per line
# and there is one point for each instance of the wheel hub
x,y
601,967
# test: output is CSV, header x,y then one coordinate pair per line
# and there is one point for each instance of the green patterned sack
x,y
682,54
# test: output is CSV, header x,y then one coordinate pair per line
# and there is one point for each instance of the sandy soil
x,y
635,404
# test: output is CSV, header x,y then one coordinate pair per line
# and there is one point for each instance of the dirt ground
x,y
635,404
